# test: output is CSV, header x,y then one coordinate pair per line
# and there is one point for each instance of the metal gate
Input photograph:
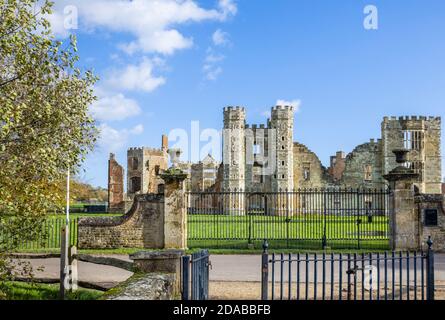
x,y
337,218
195,276
377,276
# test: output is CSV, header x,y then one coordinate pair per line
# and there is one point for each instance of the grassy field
x,y
37,291
303,232
51,230
248,232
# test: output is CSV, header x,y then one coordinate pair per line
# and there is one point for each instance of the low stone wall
x,y
157,277
141,227
432,205
150,286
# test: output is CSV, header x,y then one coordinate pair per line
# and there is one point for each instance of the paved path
x,y
242,268
234,268
93,273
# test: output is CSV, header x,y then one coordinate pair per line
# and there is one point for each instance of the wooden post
x,y
73,269
63,255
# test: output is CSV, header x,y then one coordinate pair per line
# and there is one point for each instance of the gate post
x,y
404,221
430,271
175,212
264,271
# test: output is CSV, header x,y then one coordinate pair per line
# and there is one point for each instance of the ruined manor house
x,y
265,158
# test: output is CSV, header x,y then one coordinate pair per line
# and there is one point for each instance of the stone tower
x,y
144,168
115,186
282,121
422,137
234,157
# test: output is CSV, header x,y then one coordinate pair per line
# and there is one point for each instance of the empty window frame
x,y
368,172
413,140
307,172
134,163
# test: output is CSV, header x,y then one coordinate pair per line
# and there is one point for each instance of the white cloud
x,y
112,107
139,129
296,103
152,23
135,77
212,72
228,8
214,58
220,38
212,65
113,140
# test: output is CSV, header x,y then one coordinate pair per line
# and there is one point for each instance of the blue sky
x,y
163,67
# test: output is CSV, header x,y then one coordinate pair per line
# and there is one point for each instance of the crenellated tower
x,y
282,122
234,157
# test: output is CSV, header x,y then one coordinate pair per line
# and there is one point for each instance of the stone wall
x,y
147,287
157,277
426,203
141,227
363,167
115,186
308,169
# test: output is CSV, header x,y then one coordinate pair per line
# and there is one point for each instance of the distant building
x,y
115,185
248,152
265,158
144,165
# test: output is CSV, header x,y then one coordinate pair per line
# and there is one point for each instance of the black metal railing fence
x,y
315,218
377,276
195,276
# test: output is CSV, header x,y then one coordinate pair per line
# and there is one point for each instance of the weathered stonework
x,y
363,167
146,286
175,213
422,137
234,146
426,202
258,158
293,162
115,186
144,168
308,169
204,174
141,227
157,277
338,166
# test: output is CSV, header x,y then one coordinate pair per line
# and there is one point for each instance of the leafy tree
x,y
45,127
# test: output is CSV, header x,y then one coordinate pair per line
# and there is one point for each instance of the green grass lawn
x,y
51,230
301,232
38,291
223,232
